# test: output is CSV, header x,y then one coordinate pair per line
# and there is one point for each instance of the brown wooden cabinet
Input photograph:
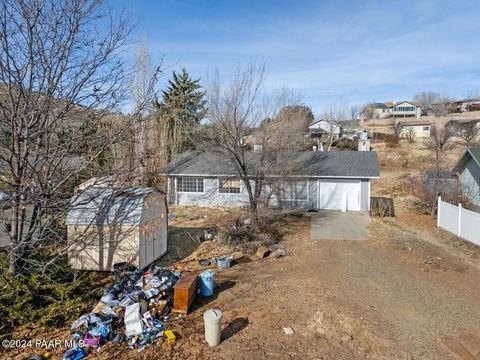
x,y
184,292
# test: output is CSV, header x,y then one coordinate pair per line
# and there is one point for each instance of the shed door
x,y
334,192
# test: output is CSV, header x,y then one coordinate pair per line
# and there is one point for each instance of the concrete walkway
x,y
337,225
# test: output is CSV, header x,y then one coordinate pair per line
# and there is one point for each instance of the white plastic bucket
x,y
212,319
223,262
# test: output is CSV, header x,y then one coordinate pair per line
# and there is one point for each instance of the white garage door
x,y
334,193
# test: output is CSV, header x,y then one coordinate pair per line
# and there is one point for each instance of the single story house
x,y
421,128
468,170
106,226
324,126
311,180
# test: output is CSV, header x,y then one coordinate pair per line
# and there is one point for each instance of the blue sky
x,y
329,51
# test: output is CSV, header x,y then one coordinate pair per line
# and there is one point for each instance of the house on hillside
x,y
391,110
323,126
106,226
420,128
468,170
301,179
457,106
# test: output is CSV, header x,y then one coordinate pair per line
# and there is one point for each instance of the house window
x,y
229,186
295,190
426,128
190,184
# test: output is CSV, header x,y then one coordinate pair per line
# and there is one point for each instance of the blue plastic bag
x,y
75,353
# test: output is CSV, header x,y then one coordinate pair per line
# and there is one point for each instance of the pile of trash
x,y
132,311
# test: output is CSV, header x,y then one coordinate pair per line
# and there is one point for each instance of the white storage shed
x,y
107,226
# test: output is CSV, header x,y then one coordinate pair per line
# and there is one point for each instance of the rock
x,y
277,253
288,331
346,338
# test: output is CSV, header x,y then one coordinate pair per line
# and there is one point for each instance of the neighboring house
x,y
467,105
315,180
391,110
458,106
323,126
468,170
352,132
421,128
107,226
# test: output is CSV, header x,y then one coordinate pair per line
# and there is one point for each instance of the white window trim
x,y
308,192
229,193
189,192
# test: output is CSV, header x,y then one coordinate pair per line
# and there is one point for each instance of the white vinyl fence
x,y
457,220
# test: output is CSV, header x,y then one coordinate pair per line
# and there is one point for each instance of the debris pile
x,y
134,311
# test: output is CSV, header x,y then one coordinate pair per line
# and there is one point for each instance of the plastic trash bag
x,y
100,330
136,295
75,353
92,340
87,321
150,293
133,321
115,289
106,298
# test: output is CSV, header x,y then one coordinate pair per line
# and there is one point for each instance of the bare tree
x,y
288,127
410,134
442,106
61,76
467,131
439,141
235,107
354,113
440,138
397,129
426,99
368,111
142,93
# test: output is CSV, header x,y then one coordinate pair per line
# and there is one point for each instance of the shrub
x,y
391,140
265,232
47,300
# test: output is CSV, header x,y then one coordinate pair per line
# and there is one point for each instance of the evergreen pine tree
x,y
180,112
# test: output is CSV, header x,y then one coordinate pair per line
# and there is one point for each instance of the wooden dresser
x,y
184,292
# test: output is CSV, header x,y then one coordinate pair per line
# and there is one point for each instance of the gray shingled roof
x,y
99,206
362,164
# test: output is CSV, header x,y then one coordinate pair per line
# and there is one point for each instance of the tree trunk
x,y
15,262
252,201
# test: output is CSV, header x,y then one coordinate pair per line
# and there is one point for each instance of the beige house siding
x,y
420,131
